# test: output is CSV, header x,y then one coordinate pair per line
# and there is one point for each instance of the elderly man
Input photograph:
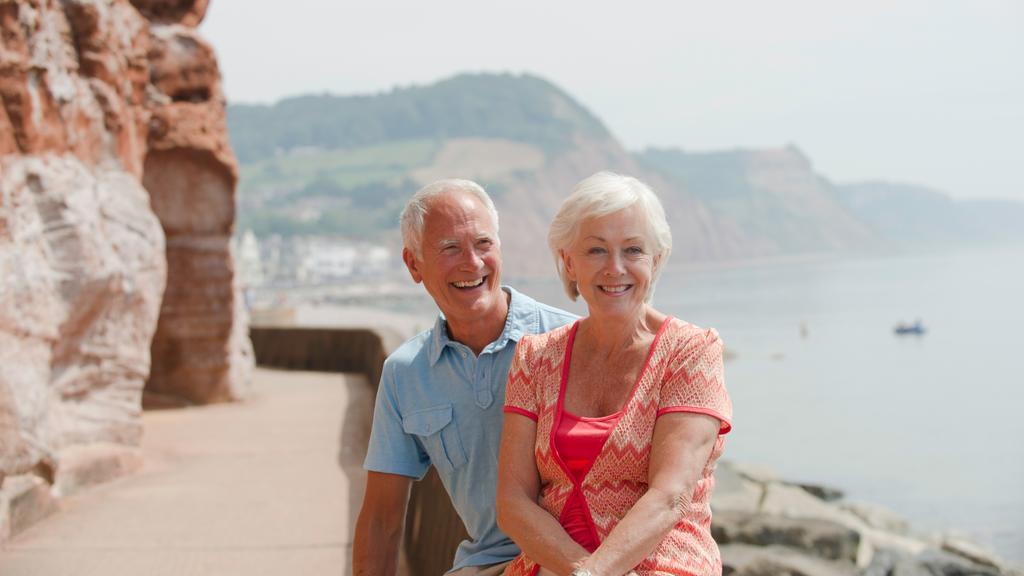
x,y
441,393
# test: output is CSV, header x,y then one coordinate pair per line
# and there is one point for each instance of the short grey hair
x,y
414,214
599,195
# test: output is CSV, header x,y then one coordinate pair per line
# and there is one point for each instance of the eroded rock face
x,y
199,352
97,99
82,273
187,12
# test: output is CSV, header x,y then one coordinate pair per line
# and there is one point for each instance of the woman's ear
x,y
567,262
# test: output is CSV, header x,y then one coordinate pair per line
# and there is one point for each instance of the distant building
x,y
324,260
375,259
248,261
306,260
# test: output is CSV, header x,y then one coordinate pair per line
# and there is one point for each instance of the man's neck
x,y
479,332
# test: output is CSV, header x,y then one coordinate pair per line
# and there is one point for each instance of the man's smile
x,y
467,284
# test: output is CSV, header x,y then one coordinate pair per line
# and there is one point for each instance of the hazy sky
x,y
930,92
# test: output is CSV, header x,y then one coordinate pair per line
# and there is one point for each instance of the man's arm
x,y
380,524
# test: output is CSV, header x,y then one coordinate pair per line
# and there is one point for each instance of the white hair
x,y
414,214
599,195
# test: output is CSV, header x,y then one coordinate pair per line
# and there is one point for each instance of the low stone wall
x,y
433,530
358,350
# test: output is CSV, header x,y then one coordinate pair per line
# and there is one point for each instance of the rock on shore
x,y
764,525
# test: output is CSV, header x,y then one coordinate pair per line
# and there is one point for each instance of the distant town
x,y
281,274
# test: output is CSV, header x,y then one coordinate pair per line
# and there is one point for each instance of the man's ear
x,y
410,263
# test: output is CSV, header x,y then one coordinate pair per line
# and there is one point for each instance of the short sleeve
x,y
391,449
695,380
520,393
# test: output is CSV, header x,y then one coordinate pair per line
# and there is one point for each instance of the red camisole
x,y
579,440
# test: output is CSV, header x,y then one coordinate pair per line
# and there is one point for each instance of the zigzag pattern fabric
x,y
683,373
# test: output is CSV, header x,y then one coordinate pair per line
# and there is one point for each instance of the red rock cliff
x,y
116,206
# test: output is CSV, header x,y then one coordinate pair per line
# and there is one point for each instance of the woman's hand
x,y
680,449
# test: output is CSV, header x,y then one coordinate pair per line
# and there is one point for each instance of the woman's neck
x,y
608,335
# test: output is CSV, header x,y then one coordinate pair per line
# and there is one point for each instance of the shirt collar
x,y
520,320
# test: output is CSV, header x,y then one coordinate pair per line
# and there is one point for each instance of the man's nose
x,y
472,259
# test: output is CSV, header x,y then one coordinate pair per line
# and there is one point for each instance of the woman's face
x,y
612,262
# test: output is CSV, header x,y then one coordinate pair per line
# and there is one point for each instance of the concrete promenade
x,y
269,486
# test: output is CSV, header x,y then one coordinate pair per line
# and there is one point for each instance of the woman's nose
x,y
615,266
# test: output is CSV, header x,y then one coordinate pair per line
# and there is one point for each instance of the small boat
x,y
904,329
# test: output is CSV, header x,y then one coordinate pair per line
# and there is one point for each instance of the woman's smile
x,y
615,290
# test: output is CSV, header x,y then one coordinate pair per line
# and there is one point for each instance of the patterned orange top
x,y
683,373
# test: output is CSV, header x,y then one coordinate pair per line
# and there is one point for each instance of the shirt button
x,y
484,398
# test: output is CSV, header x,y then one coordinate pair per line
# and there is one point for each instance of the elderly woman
x,y
613,425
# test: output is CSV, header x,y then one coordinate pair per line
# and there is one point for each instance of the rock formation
x,y
116,181
200,352
764,525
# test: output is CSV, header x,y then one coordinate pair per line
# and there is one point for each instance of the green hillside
x,y
346,168
333,165
355,192
515,107
342,165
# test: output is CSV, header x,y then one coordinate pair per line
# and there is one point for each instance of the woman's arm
x,y
533,528
680,449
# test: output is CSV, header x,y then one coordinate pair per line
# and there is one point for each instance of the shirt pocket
x,y
438,433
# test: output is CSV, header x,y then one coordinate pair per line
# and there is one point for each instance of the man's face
x,y
461,258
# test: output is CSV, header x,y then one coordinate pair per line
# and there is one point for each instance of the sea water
x,y
931,426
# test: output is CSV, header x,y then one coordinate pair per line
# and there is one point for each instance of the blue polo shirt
x,y
439,404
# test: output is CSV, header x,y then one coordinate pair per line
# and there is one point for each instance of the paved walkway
x,y
269,486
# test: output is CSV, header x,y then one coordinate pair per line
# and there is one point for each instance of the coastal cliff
x,y
113,265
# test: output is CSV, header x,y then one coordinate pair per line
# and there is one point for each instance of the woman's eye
x,y
595,250
634,250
